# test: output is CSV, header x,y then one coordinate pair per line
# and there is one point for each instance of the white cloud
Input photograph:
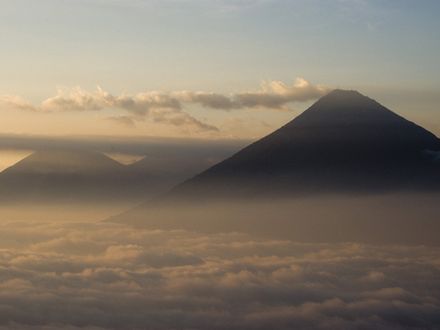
x,y
77,99
168,107
272,95
16,102
111,276
276,94
160,107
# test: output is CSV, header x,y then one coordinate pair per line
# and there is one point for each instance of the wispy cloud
x,y
16,102
168,107
122,120
272,95
159,107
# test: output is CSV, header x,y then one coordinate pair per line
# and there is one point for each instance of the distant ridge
x,y
344,142
65,161
74,176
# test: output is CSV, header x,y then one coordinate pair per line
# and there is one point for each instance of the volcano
x,y
346,169
75,176
344,142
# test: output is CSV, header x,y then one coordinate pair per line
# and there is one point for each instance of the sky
x,y
209,69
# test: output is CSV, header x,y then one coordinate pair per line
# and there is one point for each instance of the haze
x,y
230,164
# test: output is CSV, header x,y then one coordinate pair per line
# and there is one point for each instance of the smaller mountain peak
x,y
64,161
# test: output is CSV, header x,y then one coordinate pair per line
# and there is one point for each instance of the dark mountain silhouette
x,y
74,175
346,169
65,161
343,142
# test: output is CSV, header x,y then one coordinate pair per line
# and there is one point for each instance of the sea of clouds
x,y
112,276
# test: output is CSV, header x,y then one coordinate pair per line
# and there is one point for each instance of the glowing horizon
x,y
191,82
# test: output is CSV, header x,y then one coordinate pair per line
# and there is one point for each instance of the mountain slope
x,y
345,141
65,161
74,175
336,159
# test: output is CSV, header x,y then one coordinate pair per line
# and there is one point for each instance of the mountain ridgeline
x,y
345,142
78,176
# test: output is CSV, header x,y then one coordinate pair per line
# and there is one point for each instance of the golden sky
x,y
208,69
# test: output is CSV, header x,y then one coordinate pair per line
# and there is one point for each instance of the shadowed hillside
x,y
76,176
343,142
346,169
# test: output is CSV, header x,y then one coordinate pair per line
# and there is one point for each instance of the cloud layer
x,y
168,107
272,95
108,276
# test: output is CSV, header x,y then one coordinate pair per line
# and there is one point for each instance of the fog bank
x,y
66,275
393,218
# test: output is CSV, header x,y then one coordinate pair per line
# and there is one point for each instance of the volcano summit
x,y
344,142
